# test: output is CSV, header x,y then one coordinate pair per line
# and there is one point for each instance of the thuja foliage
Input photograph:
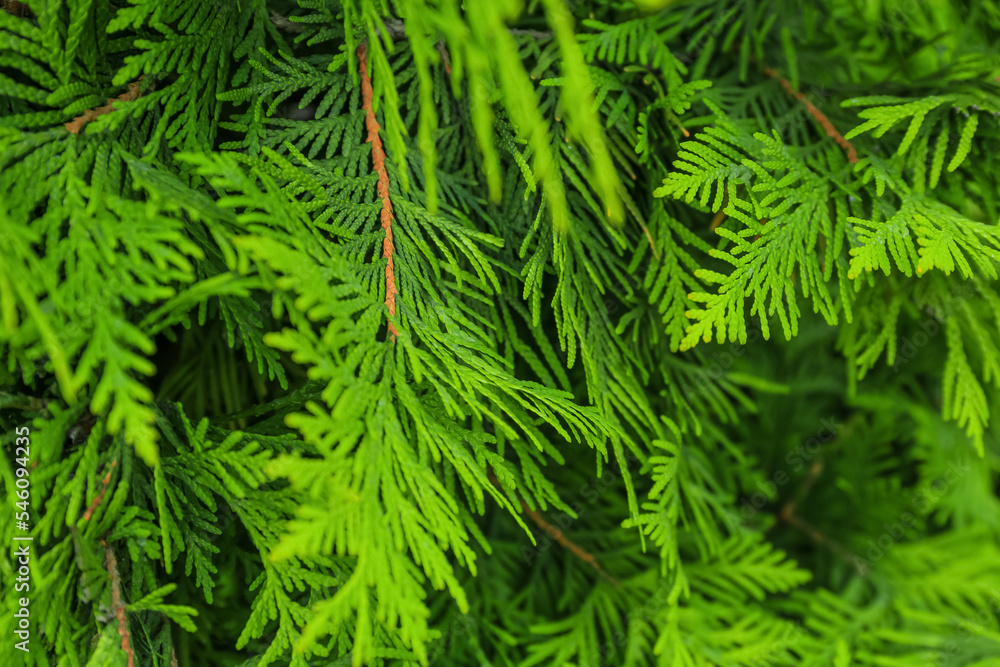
x,y
498,333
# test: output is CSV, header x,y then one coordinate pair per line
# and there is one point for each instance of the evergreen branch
x,y
561,538
557,534
117,605
719,218
378,162
165,620
74,126
445,58
100,496
831,131
356,508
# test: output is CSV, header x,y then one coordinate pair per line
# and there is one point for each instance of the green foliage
x,y
542,419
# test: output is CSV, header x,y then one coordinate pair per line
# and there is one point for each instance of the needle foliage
x,y
569,333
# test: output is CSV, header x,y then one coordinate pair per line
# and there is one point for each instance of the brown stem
x,y
443,50
649,238
558,535
831,131
100,496
719,217
74,126
117,605
378,161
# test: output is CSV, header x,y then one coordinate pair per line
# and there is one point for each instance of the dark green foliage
x,y
586,445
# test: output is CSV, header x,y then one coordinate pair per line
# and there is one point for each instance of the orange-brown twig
x,y
378,161
831,131
117,605
74,126
443,50
558,535
100,496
